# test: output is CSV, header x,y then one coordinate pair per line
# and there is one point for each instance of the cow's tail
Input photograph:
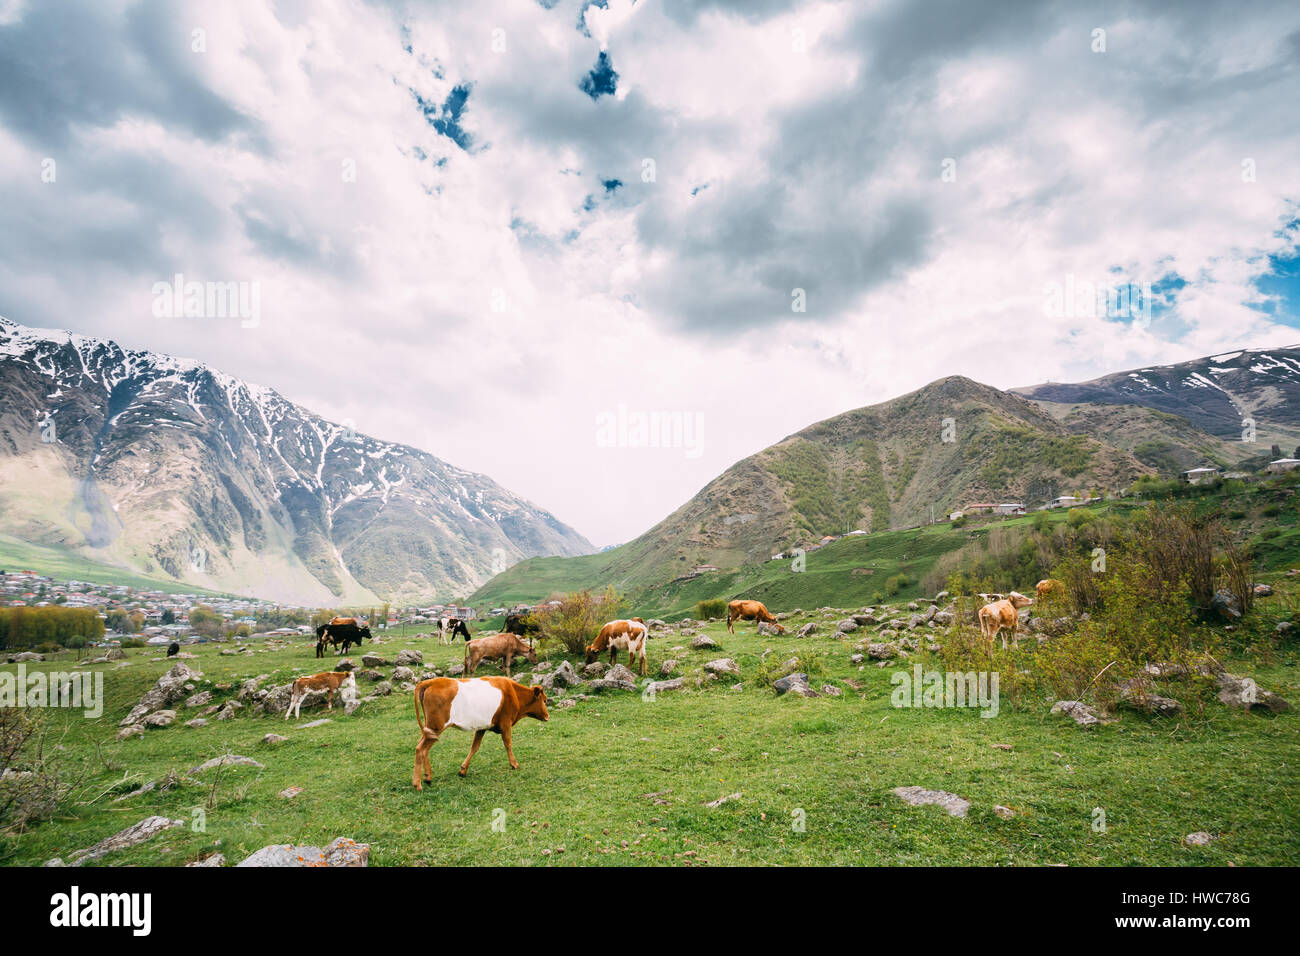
x,y
419,708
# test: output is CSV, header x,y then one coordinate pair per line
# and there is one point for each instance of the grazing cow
x,y
329,681
173,649
504,646
1003,615
629,635
750,611
1049,587
478,704
340,631
525,625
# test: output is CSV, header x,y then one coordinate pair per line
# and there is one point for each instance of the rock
x,y
1006,813
1245,693
409,658
249,688
563,676
655,624
342,852
350,707
214,859
913,606
116,654
714,804
808,629
196,722
723,665
201,699
382,689
929,613
315,723
941,597
881,651
345,665
169,689
25,657
288,793
658,686
830,690
856,658
455,670
227,760
372,660
610,684
865,619
846,626
135,730
769,630
919,797
595,669
146,829
620,673
1199,838
703,642
161,718
1263,590
789,667
404,674
371,674
667,667
1226,604
792,684
274,739
1081,713
1137,696
945,618
228,712
1283,628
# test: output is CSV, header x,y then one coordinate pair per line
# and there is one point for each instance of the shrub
x,y
33,792
578,618
712,607
133,642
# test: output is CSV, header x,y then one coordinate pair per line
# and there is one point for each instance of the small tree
x,y
578,618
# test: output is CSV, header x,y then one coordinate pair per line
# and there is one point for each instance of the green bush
x,y
712,607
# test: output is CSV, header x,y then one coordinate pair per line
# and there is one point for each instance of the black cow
x,y
173,649
340,633
457,629
524,625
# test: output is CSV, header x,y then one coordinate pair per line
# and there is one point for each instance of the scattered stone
x,y
1006,747
667,667
201,699
228,760
409,658
135,730
382,689
342,852
315,723
658,686
846,626
1006,813
595,669
723,665
919,796
1226,604
769,630
1137,696
228,712
1081,713
563,676
371,674
455,670
161,718
25,657
796,684
1263,590
714,804
196,722
372,660
830,690
274,739
146,829
1243,692
1199,838
856,658
288,793
169,689
808,629
703,642
404,674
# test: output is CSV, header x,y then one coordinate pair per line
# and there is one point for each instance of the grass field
x,y
617,779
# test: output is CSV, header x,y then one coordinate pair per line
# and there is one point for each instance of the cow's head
x,y
1018,600
363,633
592,653
535,705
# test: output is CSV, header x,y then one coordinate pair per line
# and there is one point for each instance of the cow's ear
x,y
537,691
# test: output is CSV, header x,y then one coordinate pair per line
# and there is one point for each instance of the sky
x,y
512,233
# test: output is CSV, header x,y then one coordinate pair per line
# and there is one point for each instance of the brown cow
x,y
750,611
329,680
1049,587
494,646
1003,615
479,704
625,635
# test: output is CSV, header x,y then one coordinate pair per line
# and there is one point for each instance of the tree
x,y
579,617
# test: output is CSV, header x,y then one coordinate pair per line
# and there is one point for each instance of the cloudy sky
x,y
485,228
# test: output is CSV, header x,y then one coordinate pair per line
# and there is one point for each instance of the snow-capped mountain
x,y
1216,393
170,468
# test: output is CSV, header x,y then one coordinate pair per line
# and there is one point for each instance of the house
x,y
1195,476
1282,464
1012,508
955,515
1064,501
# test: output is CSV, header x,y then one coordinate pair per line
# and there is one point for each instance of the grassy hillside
x,y
65,566
620,779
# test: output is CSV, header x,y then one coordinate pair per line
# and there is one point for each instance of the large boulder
x,y
723,665
342,852
1243,692
409,658
796,683
563,676
620,673
1226,604
373,660
808,629
170,689
1136,695
703,642
846,626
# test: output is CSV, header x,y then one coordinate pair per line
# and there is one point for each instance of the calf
x,y
750,611
629,635
1003,615
328,681
494,646
478,704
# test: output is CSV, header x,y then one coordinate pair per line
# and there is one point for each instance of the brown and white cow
x,y
493,647
1003,615
624,635
328,681
478,704
750,611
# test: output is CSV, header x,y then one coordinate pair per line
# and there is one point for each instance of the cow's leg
x,y
288,710
509,658
613,655
428,737
473,749
329,701
729,628
510,753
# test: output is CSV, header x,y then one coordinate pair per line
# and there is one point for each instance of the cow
x,y
173,649
328,681
338,631
750,611
1003,615
525,625
1049,587
478,704
504,646
627,635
